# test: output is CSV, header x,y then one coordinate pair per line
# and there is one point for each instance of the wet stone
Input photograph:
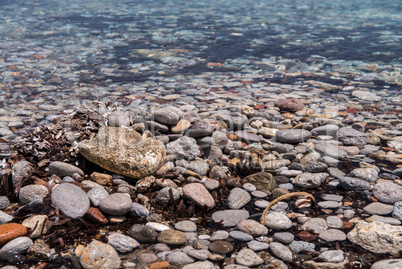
x,y
328,149
292,104
169,115
351,137
72,200
200,129
221,247
184,147
354,184
368,174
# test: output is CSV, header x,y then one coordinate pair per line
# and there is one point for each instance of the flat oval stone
x,y
172,237
116,204
230,218
331,235
10,231
99,255
64,169
199,194
281,251
16,246
388,264
276,220
221,247
72,200
247,257
378,209
252,227
159,227
186,226
122,243
238,198
179,258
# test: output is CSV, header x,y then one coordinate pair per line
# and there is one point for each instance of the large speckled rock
x,y
98,255
377,237
123,151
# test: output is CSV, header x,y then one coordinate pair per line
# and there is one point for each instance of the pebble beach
x,y
214,134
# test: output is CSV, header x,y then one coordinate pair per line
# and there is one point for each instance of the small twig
x,y
285,196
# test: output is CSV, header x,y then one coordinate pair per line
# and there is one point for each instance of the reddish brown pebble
x,y
306,236
291,105
347,225
42,265
232,137
10,231
95,215
101,179
159,265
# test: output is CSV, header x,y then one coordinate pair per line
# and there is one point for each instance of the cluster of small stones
x,y
295,149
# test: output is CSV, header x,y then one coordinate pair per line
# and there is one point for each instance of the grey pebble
x,y
332,256
4,217
292,136
186,226
388,220
16,246
199,254
298,246
397,211
96,194
334,222
4,202
230,218
388,264
377,208
238,198
331,235
72,200
200,265
116,204
354,184
257,246
281,251
387,192
178,258
122,243
283,237
219,235
64,169
163,196
241,236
